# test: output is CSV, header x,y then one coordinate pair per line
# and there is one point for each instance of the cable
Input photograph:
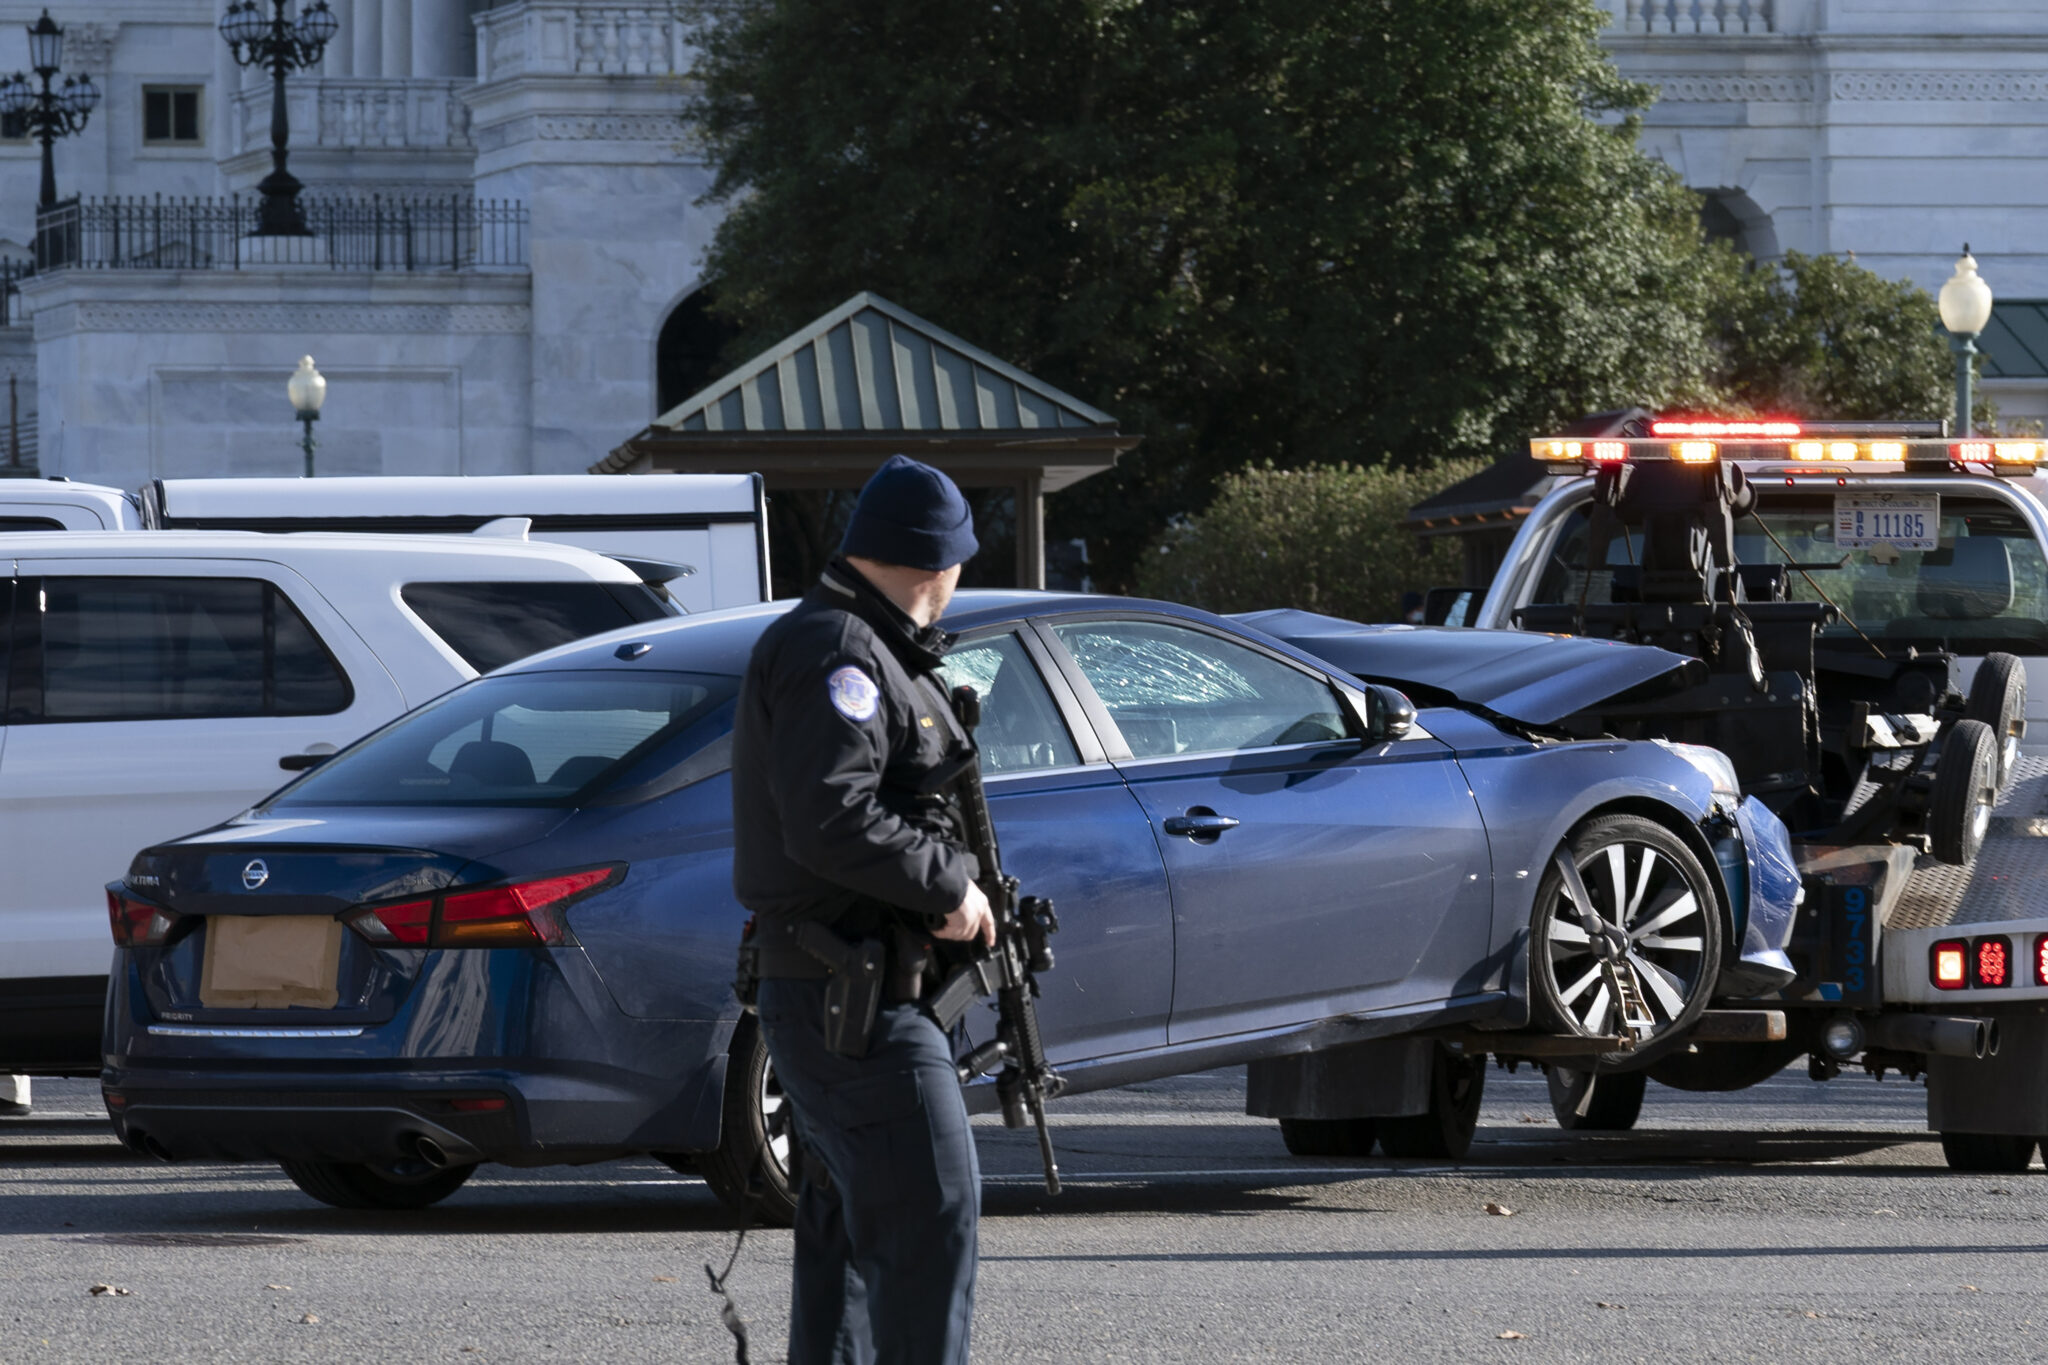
x,y
1793,564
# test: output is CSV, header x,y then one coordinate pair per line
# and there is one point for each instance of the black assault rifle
x,y
1008,970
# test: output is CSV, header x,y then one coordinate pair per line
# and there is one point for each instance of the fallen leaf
x,y
1510,1335
1813,1315
1973,1289
1598,1304
1893,1212
278,1286
310,1317
1500,1210
1530,1118
115,1289
664,1279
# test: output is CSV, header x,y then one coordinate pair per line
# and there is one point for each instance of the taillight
x,y
137,924
1991,959
1948,964
522,914
2041,960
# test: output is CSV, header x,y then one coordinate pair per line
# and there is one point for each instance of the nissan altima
x,y
502,928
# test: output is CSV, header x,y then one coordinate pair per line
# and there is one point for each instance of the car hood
x,y
1517,675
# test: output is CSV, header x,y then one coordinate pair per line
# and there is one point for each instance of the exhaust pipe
x,y
429,1151
149,1146
1943,1037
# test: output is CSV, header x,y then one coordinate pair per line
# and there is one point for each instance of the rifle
x,y
1008,970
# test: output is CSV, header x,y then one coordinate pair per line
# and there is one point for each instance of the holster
x,y
853,990
746,981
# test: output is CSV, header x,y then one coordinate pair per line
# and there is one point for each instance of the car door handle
x,y
1199,824
298,763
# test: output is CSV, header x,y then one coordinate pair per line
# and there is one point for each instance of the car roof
x,y
396,554
720,641
414,495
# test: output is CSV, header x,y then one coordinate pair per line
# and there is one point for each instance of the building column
x,y
440,32
397,59
339,59
367,43
1031,532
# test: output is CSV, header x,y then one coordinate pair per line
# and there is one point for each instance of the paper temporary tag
x,y
854,694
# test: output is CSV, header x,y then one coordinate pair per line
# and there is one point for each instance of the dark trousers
x,y
885,1253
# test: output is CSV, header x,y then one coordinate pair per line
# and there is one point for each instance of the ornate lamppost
x,y
307,388
284,47
49,113
1965,310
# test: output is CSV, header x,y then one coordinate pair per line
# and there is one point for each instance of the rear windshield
x,y
493,624
1983,587
530,739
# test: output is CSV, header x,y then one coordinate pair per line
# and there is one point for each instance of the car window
x,y
118,648
30,524
528,739
489,625
1021,728
1172,690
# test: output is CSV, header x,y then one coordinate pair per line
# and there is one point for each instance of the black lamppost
x,y
48,113
284,47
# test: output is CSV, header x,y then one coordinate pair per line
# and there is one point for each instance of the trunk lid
x,y
1518,675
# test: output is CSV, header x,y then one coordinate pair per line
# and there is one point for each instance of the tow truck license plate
x,y
1905,521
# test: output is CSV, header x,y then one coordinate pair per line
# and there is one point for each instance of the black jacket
x,y
839,720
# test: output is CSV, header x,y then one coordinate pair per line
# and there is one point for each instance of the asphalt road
x,y
1790,1222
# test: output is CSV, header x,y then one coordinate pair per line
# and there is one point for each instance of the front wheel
x,y
753,1157
1456,1085
387,1186
1987,1153
1638,900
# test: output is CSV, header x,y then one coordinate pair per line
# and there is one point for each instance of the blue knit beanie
x,y
911,515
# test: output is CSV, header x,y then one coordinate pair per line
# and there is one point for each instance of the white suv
x,y
156,684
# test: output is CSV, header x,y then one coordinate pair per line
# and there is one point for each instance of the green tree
x,y
1298,231
1323,538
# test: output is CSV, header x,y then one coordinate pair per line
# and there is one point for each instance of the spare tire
x,y
1998,697
1965,789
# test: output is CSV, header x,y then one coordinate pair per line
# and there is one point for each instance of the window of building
x,y
13,128
170,116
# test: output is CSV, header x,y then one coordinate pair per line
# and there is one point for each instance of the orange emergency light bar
x,y
1792,449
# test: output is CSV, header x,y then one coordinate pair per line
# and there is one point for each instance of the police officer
x,y
840,719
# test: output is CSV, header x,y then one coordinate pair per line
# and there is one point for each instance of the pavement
x,y
1791,1222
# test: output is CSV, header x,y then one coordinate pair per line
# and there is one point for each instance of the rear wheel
x,y
1592,1102
392,1185
1329,1137
1998,697
1989,1153
1456,1085
1650,904
753,1159
1965,789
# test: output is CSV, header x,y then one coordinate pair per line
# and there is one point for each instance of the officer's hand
x,y
972,920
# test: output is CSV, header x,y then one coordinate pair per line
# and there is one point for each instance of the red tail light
x,y
2041,960
523,914
1948,964
1992,958
137,924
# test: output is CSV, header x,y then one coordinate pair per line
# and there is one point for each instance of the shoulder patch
x,y
854,694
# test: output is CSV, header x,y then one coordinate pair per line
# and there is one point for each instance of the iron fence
x,y
346,233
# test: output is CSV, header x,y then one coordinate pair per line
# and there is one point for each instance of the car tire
x,y
1674,936
1456,1085
1329,1137
394,1186
1965,789
754,1159
1998,697
1987,1153
1596,1102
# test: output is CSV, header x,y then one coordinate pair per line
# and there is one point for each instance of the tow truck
x,y
1871,603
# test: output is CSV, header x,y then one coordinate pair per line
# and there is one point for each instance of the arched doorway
x,y
1732,216
686,354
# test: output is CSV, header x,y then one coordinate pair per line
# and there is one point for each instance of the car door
x,y
1313,874
1070,830
148,699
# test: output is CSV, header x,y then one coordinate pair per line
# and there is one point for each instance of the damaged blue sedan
x,y
1360,860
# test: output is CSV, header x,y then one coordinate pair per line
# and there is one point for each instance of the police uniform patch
x,y
854,694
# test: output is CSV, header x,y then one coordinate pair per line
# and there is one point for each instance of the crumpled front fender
x,y
1774,893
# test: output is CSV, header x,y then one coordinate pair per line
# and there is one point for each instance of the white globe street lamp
x,y
307,389
1965,310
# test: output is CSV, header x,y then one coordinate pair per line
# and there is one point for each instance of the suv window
x,y
490,625
166,648
1020,726
1172,690
1984,587
30,524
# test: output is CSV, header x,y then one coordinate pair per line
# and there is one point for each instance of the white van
x,y
716,525
158,683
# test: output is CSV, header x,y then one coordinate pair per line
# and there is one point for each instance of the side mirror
x,y
1392,714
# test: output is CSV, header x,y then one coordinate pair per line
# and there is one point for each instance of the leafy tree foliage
x,y
1288,230
1323,538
